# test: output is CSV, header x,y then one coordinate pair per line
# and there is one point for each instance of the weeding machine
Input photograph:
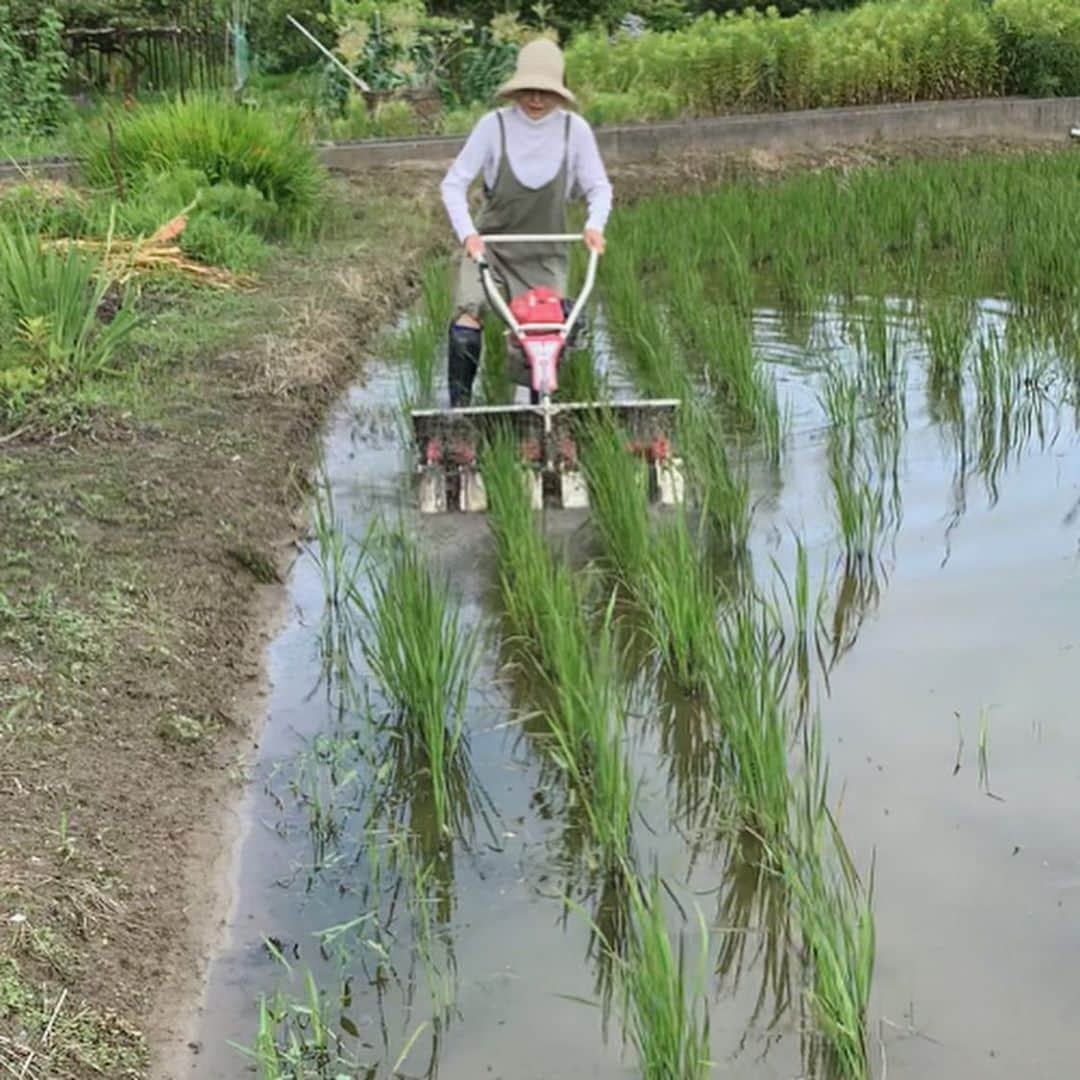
x,y
540,327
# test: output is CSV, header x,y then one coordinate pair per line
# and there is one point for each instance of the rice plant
x,y
857,500
746,691
755,923
665,1005
859,507
496,386
340,560
948,330
618,496
720,493
424,659
835,919
683,601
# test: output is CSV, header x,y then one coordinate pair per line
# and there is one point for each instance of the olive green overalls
x,y
511,207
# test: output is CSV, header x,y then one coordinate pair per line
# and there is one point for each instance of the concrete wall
x,y
1011,118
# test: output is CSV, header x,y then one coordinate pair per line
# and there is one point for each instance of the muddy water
x,y
954,756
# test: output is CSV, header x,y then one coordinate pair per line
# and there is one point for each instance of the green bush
x,y
31,75
225,143
885,50
388,119
44,206
1039,42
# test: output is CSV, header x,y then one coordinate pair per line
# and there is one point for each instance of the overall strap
x,y
566,141
502,134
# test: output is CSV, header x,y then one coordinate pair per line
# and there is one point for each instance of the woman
x,y
534,154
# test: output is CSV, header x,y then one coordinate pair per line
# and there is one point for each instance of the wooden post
x,y
179,63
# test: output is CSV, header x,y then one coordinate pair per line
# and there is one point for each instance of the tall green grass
x,y
50,299
886,50
224,142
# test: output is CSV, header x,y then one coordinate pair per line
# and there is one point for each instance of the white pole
x,y
353,78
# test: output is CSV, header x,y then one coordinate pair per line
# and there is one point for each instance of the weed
x,y
50,299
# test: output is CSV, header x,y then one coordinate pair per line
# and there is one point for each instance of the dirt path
x,y
138,585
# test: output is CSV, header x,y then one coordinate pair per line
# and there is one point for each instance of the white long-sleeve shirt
x,y
535,152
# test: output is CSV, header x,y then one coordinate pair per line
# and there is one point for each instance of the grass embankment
x,y
142,501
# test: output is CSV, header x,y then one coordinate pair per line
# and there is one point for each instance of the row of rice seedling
x,y
665,1013
688,344
923,229
545,607
729,651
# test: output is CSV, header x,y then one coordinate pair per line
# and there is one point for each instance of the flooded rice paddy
x,y
944,665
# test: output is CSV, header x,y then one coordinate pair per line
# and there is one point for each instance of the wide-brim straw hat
x,y
540,66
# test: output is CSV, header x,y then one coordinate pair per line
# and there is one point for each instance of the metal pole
x,y
351,76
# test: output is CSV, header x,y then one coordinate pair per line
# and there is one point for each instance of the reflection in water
x,y
689,745
754,917
858,585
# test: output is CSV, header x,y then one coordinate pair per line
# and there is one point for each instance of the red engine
x,y
540,305
543,348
